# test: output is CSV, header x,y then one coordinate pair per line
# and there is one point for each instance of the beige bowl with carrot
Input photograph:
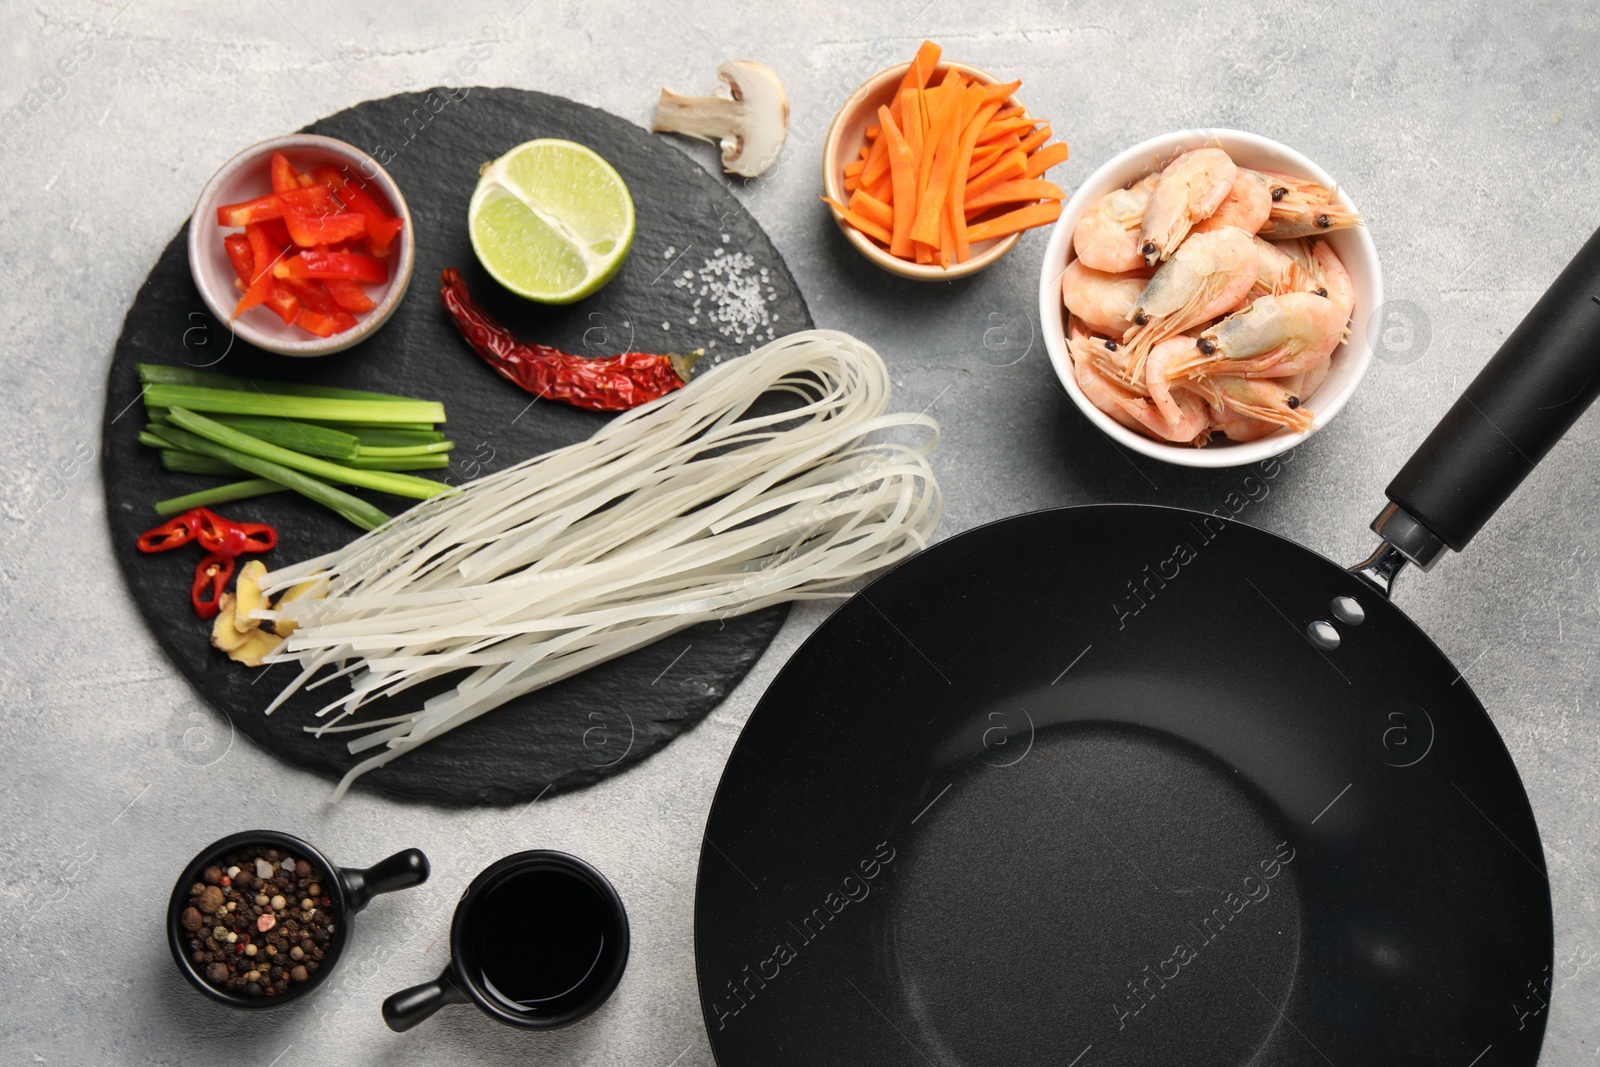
x,y
934,168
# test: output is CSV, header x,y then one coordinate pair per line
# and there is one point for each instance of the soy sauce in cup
x,y
539,940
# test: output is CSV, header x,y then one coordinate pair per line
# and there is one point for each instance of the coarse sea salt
x,y
737,305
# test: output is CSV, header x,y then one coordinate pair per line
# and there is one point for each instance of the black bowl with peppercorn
x,y
260,918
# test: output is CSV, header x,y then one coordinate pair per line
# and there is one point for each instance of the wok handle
x,y
1545,375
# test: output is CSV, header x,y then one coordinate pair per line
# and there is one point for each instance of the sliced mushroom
x,y
748,115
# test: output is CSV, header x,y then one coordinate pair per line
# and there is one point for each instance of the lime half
x,y
551,220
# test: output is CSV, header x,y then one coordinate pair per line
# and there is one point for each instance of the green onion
x,y
435,461
150,440
178,461
222,494
379,451
284,406
358,428
305,437
382,481
380,438
161,374
353,508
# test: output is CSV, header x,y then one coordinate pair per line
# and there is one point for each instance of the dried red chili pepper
x,y
608,383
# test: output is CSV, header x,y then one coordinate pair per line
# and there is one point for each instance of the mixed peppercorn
x,y
259,922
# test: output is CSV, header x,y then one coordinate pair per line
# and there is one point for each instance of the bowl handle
x,y
409,1007
400,871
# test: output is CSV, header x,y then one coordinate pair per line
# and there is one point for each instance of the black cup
x,y
351,889
539,940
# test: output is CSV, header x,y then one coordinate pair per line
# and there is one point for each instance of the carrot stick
x,y
947,240
1035,139
1001,92
1000,129
866,226
882,189
853,170
982,113
1011,165
931,101
1046,158
871,208
986,154
1009,113
948,105
921,69
941,162
923,254
877,161
1010,193
911,105
873,131
1040,214
903,177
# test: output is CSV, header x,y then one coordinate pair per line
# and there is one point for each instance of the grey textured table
x,y
1468,136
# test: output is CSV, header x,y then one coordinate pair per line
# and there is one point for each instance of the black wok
x,y
1134,785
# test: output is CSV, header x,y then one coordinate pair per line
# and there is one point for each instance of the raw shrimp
x,y
1306,383
1107,237
1283,267
1280,336
1188,190
1209,274
1302,208
1241,428
1109,357
1103,301
1259,399
1247,205
1159,383
1137,412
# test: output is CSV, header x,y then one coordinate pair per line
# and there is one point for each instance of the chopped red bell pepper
x,y
349,295
322,325
275,229
283,303
338,264
309,214
284,174
258,210
382,228
211,577
264,253
241,256
312,293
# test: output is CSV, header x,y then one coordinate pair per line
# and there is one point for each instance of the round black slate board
x,y
577,731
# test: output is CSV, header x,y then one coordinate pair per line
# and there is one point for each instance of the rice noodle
x,y
684,510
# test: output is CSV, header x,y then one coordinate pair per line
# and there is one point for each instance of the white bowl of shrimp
x,y
1219,284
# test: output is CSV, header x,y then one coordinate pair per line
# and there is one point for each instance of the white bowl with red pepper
x,y
331,227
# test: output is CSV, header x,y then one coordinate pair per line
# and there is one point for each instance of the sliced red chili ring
x,y
210,577
176,531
